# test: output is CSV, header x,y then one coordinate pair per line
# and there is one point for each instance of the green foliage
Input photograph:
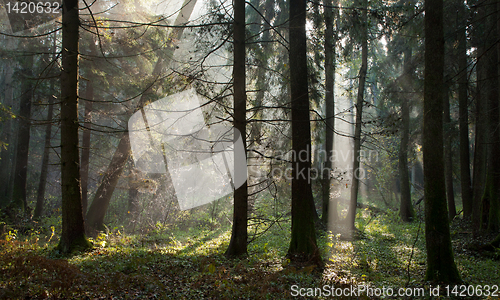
x,y
188,264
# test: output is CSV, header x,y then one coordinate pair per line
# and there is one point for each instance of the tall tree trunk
x,y
7,138
491,198
23,138
84,171
97,211
262,55
463,111
100,203
303,240
40,199
494,224
87,131
330,212
480,143
351,214
238,243
73,228
448,161
262,83
440,262
406,208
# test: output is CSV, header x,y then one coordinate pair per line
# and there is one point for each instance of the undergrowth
x,y
190,264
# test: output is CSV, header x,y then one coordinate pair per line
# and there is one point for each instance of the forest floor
x,y
174,264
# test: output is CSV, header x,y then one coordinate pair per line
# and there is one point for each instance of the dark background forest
x,y
370,131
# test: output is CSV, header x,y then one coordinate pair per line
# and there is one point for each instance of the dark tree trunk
x,y
303,240
99,206
491,198
406,208
440,262
463,107
73,229
238,243
480,143
23,139
106,188
351,214
329,203
494,222
7,138
448,161
40,199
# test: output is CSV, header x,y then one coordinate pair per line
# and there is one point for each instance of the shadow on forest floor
x,y
191,265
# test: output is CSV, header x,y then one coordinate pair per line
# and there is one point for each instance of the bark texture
x,y
406,208
303,240
463,103
480,143
440,262
7,138
448,160
73,229
238,243
23,138
491,197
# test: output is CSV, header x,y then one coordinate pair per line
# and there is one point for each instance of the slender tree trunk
x,y
87,131
303,240
448,161
7,138
40,200
494,224
262,54
23,139
440,262
330,212
100,203
351,214
84,171
262,83
45,160
73,228
238,243
463,107
406,208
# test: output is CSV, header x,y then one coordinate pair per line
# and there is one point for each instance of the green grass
x,y
190,264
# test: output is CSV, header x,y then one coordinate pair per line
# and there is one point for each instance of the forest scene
x,y
259,149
